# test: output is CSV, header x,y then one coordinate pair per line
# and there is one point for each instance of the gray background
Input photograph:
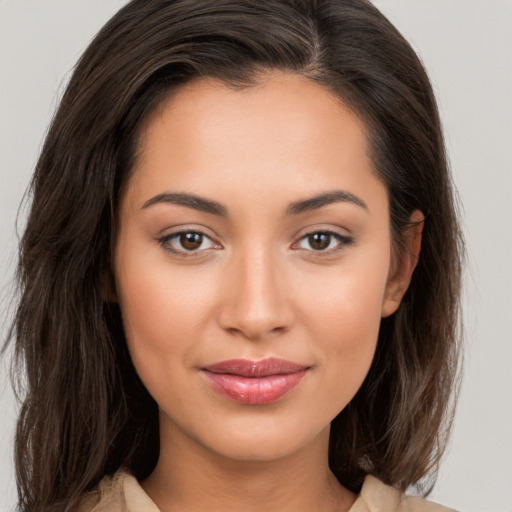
x,y
466,46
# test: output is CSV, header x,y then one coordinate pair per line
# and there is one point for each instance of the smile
x,y
254,382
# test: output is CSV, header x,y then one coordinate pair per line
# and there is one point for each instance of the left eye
x,y
186,241
323,241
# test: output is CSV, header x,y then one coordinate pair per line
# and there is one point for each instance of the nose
x,y
256,302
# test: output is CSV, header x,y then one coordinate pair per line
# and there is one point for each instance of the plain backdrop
x,y
466,46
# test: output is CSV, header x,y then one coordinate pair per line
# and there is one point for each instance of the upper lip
x,y
262,368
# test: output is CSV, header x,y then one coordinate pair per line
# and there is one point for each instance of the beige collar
x,y
122,493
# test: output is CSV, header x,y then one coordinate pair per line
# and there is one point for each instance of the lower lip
x,y
254,390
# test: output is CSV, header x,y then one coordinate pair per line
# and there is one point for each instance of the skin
x,y
254,288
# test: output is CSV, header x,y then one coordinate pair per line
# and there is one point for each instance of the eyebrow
x,y
207,205
190,201
334,196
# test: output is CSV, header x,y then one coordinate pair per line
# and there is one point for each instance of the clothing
x,y
122,493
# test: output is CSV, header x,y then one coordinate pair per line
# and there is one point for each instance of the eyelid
x,y
343,241
164,239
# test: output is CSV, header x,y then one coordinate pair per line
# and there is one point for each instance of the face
x,y
253,263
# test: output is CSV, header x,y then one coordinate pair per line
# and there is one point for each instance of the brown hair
x,y
85,412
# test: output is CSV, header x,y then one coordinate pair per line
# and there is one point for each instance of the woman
x,y
240,273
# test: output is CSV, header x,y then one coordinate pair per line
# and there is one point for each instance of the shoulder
x,y
377,497
118,493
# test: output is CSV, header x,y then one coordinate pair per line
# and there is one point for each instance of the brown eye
x,y
191,241
319,241
187,243
324,242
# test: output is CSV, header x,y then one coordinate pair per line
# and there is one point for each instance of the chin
x,y
263,443
255,451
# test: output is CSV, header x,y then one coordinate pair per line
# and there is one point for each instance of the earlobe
x,y
401,274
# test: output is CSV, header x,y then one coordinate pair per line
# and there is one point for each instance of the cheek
x,y
344,318
164,311
347,304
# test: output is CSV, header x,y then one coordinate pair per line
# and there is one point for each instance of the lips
x,y
254,382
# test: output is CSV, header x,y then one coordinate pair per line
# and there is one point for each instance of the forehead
x,y
278,103
284,132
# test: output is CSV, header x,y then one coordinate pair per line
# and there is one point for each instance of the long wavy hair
x,y
85,412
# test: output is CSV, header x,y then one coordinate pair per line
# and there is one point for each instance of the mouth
x,y
254,382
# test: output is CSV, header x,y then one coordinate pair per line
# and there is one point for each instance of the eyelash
x,y
343,242
163,241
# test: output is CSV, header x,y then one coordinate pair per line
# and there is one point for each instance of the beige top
x,y
122,493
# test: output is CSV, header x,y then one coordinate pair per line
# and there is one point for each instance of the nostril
x,y
256,332
254,302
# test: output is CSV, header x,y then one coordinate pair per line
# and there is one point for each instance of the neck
x,y
190,477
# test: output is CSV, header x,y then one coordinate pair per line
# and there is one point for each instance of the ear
x,y
402,269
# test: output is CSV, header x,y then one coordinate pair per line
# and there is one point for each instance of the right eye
x,y
182,242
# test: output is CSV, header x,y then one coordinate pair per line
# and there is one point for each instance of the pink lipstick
x,y
254,382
